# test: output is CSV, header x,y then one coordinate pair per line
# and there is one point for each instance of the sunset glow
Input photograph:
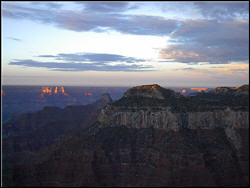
x,y
183,91
88,94
199,89
56,90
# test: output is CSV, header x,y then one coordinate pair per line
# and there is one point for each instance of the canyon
x,y
152,136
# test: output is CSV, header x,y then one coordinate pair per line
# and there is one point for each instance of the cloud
x,y
22,11
214,40
102,16
128,24
46,56
87,20
87,62
223,10
94,57
209,41
229,69
52,5
15,39
72,66
188,69
236,74
146,25
106,7
233,69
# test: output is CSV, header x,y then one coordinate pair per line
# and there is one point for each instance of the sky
x,y
173,44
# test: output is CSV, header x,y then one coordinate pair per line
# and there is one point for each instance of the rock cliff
x,y
163,118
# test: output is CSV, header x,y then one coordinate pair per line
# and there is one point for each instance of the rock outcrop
x,y
151,91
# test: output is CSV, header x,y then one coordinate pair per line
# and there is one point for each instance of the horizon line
x,y
123,86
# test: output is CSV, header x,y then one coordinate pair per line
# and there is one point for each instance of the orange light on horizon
x,y
63,91
88,94
47,90
183,91
3,94
56,90
199,89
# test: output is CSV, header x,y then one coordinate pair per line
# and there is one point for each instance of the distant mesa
x,y
183,91
199,89
63,91
3,94
152,87
50,91
88,94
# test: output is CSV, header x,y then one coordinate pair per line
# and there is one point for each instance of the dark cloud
x,y
15,39
22,11
87,62
94,57
73,66
209,41
146,25
223,10
129,24
95,21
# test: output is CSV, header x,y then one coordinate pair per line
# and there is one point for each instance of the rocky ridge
x,y
241,90
135,111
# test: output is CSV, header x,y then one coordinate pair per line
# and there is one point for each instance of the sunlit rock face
x,y
50,91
